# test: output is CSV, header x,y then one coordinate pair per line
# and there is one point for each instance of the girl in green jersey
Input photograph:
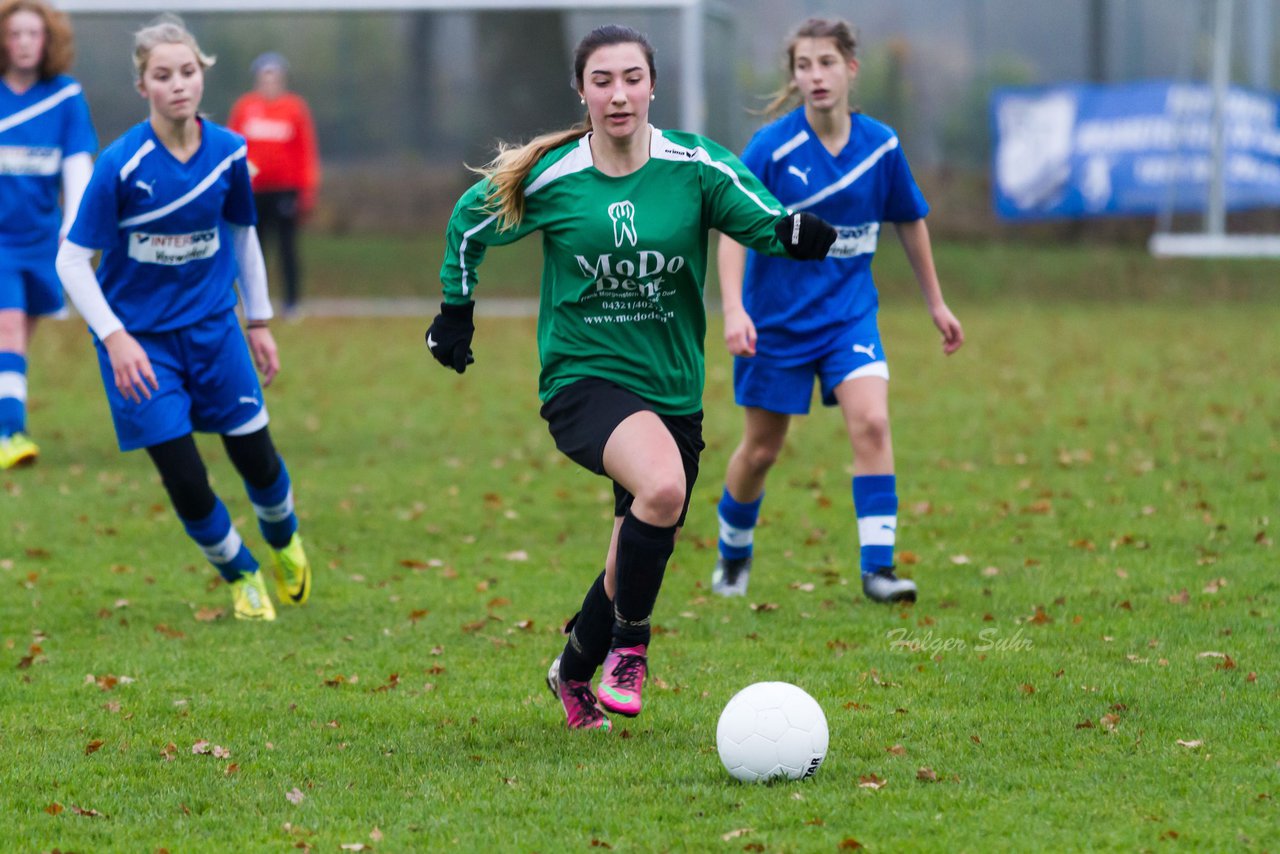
x,y
624,210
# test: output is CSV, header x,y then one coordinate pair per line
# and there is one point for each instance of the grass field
x,y
1088,492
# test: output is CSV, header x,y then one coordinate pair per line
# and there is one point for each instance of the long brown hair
x,y
508,171
835,29
59,46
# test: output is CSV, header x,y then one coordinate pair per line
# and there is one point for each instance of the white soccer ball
x,y
769,730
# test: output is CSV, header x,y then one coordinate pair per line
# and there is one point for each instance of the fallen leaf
x,y
959,560
53,808
1085,724
294,795
208,615
1190,745
220,752
518,555
1027,688
200,748
897,750
1215,585
849,844
93,746
762,607
1182,597
84,812
375,834
871,781
1039,618
230,769
355,846
1109,722
927,775
734,834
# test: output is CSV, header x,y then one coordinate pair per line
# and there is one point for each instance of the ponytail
x,y
510,169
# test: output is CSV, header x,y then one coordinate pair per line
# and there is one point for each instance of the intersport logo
x,y
173,249
623,215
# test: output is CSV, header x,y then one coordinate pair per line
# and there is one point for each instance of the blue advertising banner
x,y
1132,148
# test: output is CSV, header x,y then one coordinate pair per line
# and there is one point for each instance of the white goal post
x,y
1214,241
693,107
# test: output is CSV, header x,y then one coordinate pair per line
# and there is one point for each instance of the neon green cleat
x,y
250,595
17,450
293,572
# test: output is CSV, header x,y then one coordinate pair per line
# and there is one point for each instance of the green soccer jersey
x,y
624,261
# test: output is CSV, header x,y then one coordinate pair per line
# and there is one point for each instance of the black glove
x,y
806,236
449,335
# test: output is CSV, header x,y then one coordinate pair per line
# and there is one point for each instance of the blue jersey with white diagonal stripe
x,y
800,308
162,226
38,130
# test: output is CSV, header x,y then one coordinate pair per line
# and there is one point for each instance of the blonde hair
x,y
166,29
59,48
835,29
511,168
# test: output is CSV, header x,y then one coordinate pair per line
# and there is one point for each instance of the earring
x,y
651,97
582,101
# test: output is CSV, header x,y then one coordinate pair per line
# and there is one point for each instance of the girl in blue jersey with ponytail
x,y
171,208
788,323
46,146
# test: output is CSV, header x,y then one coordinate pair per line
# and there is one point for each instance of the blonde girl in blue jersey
x,y
788,324
170,207
46,147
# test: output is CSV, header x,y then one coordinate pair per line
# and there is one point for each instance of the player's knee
x,y
871,430
13,329
254,457
662,498
761,456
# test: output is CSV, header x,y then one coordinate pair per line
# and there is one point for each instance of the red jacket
x,y
282,144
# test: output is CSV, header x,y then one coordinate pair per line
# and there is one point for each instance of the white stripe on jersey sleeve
x,y
854,174
789,146
462,250
193,193
145,149
664,149
39,107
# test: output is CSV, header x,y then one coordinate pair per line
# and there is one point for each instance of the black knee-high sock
x,y
589,635
643,552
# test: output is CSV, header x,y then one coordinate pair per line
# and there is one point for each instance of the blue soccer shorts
x,y
207,384
29,282
786,387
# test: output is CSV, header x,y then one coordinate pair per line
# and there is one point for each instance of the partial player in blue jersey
x,y
788,324
46,148
170,206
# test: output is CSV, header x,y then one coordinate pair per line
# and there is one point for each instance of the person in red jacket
x,y
283,158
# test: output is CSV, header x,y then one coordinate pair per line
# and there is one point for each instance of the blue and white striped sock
x,y
737,526
13,393
221,543
274,507
875,501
